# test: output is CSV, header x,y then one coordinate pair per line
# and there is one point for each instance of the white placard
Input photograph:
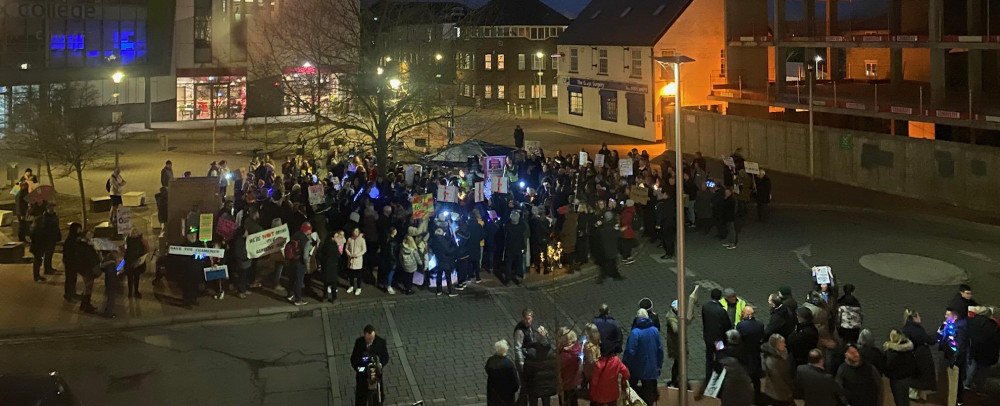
x,y
103,244
267,242
499,184
583,158
534,148
316,195
124,220
752,168
729,162
625,166
186,251
480,192
599,160
715,384
822,274
218,272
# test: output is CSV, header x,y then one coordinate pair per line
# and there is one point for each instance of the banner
x,y
267,242
599,161
479,192
625,166
494,165
534,148
218,272
422,205
317,195
583,158
205,224
124,220
188,251
752,168
227,227
411,172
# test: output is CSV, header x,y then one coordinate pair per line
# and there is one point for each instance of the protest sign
x,y
625,166
583,158
316,195
203,251
639,194
451,194
103,244
218,272
494,165
410,172
205,223
752,168
822,274
534,148
124,220
599,160
499,184
715,384
729,162
226,226
267,242
480,193
422,205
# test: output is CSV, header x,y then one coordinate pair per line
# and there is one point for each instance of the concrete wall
x,y
959,174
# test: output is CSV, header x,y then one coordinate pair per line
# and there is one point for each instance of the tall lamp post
x,y
116,117
811,78
676,61
541,90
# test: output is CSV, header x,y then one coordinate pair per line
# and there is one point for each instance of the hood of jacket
x,y
644,323
904,346
439,232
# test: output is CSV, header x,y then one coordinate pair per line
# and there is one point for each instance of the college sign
x,y
51,9
610,85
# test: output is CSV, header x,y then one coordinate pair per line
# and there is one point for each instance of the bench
x,y
12,253
100,204
134,199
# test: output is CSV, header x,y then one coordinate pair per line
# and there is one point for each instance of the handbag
x,y
629,397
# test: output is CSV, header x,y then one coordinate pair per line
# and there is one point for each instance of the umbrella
x,y
42,193
459,153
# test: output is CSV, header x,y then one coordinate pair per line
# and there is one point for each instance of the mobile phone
x,y
719,346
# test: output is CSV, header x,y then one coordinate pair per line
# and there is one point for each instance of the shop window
x,y
609,105
575,100
636,109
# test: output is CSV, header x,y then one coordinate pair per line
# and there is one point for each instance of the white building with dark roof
x,y
608,80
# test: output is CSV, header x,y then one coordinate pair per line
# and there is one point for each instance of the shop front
x,y
205,94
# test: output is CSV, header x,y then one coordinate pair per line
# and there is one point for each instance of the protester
x,y
850,315
900,366
45,235
926,374
135,248
817,387
115,186
752,335
644,357
501,377
355,248
570,355
166,174
540,366
715,322
611,333
591,351
777,366
862,383
804,339
608,380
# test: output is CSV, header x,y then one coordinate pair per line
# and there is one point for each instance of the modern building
x,y
921,68
608,80
46,42
506,53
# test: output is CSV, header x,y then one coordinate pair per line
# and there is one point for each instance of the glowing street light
x,y
670,90
438,56
117,77
379,70
117,115
307,65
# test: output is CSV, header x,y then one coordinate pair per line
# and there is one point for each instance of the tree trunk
x,y
83,195
382,152
48,169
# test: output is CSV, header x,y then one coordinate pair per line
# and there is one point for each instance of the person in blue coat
x,y
644,357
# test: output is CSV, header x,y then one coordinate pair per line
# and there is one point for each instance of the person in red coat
x,y
608,380
570,351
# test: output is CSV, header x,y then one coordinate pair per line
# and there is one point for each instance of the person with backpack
x,y
114,186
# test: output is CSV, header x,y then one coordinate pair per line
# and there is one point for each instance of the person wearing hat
x,y
783,307
647,305
607,254
628,232
733,304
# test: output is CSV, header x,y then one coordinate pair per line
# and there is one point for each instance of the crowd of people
x,y
819,351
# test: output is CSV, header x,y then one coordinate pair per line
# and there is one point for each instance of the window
x,y
499,61
468,91
555,62
488,92
666,71
520,91
636,109
602,61
575,100
871,68
202,31
609,105
488,32
574,60
555,91
636,63
500,92
468,61
520,61
537,91
722,63
535,34
522,32
537,63
488,61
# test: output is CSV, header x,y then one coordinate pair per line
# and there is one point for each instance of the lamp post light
x,y
676,62
116,117
541,90
819,73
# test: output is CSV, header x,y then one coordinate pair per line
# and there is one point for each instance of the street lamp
x,y
811,79
818,59
116,117
394,83
541,90
676,62
438,56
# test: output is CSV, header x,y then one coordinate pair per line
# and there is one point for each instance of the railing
x,y
865,38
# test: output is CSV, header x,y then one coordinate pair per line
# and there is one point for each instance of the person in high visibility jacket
x,y
733,304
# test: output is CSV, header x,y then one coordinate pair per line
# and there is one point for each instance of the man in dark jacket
x,y
474,248
501,377
514,248
44,236
729,219
715,322
862,383
611,333
607,250
166,174
783,308
370,352
444,249
817,387
518,137
21,204
763,196
804,338
666,216
752,336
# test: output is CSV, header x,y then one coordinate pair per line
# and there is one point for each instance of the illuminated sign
x,y
45,10
604,84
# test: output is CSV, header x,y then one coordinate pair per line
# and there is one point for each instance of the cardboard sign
x,y
625,166
583,158
184,250
479,192
499,184
494,165
218,272
447,194
411,173
267,242
534,148
715,384
599,160
729,162
205,224
823,274
422,205
639,194
124,220
103,244
752,168
226,226
317,195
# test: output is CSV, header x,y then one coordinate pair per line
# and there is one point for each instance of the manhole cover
x,y
914,268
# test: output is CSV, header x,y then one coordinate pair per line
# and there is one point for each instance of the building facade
x,y
608,79
505,53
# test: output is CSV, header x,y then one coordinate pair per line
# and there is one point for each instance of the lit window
x,y
538,63
871,68
488,92
488,61
722,63
521,91
499,61
500,92
555,91
537,91
520,61
575,100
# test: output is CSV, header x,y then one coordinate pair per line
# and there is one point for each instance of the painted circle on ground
x,y
914,268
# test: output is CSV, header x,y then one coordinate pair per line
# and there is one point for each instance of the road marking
x,y
330,364
976,255
805,250
407,370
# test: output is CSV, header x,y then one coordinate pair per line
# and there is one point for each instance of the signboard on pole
x,y
226,226
218,272
583,158
422,205
494,165
534,148
752,168
205,224
639,194
625,166
184,250
316,195
599,161
480,193
448,194
729,162
267,242
124,220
